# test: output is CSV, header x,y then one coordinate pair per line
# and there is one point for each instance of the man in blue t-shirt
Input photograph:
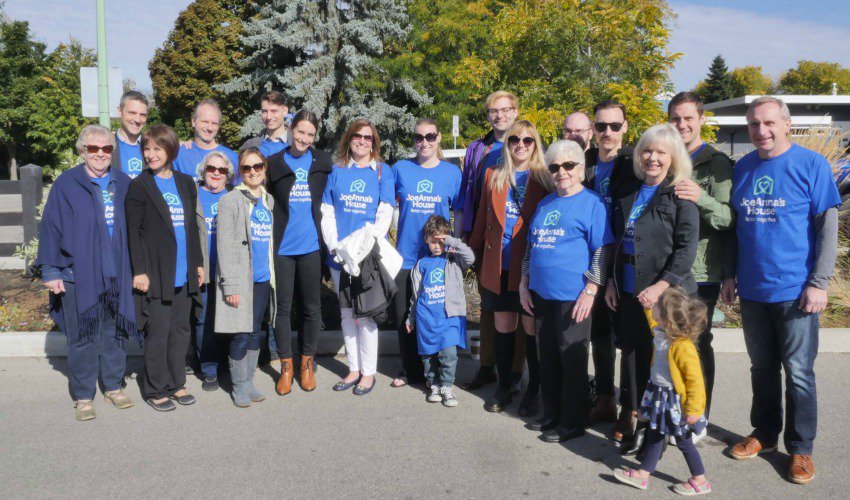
x,y
206,122
787,239
133,113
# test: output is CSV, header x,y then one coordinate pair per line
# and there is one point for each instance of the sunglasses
x,y
92,149
526,141
614,126
213,169
257,167
367,138
430,137
554,168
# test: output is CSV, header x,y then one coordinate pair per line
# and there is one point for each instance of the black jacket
x,y
150,234
370,293
623,179
666,240
116,155
280,181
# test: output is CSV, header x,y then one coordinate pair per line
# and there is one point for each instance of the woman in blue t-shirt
x,y
245,276
657,235
215,172
359,194
564,267
425,185
297,178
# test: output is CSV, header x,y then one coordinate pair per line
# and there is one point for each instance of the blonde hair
x,y
680,315
680,164
503,175
499,94
431,121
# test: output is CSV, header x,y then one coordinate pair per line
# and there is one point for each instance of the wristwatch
x,y
588,292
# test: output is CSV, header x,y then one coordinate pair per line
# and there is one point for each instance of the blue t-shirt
x,y
168,188
300,237
513,205
643,198
355,193
188,160
776,201
261,238
269,146
435,331
602,182
131,157
422,192
107,198
698,150
564,233
209,204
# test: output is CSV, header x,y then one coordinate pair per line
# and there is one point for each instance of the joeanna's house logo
x,y
107,198
437,277
603,186
214,209
300,175
763,186
358,186
425,186
552,218
171,199
263,216
134,165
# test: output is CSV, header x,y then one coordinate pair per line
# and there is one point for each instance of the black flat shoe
x,y
343,385
185,400
561,435
210,384
542,425
167,405
500,401
361,390
529,406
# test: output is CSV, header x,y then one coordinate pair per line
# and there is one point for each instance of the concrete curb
x,y
53,344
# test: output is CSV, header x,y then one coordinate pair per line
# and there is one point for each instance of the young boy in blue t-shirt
x,y
438,307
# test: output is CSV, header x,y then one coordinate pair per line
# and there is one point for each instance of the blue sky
x,y
772,33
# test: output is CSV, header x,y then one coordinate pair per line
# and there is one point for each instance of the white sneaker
x,y
434,396
449,399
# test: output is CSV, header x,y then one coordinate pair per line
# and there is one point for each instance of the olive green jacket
x,y
713,173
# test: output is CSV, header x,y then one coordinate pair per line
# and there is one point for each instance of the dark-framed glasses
x,y
430,137
257,167
526,141
93,149
614,126
554,168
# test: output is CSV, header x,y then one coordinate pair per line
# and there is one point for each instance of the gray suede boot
x,y
239,377
255,395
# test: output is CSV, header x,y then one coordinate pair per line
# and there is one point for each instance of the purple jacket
x,y
470,182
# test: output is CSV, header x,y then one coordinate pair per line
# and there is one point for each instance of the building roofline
x,y
789,99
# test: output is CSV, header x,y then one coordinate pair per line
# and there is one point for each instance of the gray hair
x,y
207,102
132,95
89,132
680,161
566,150
202,167
784,112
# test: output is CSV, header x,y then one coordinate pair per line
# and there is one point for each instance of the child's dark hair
x,y
436,224
683,316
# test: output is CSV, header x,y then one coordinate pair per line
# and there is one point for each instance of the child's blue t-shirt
x,y
421,193
209,204
628,243
261,237
107,196
434,330
168,188
300,236
131,157
189,159
513,205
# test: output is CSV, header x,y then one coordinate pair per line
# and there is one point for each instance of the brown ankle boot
x,y
605,410
284,383
307,380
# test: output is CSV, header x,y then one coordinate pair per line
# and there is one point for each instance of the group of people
x,y
572,245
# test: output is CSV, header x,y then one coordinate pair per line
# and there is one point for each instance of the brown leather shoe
x,y
307,380
284,383
750,447
625,426
605,410
801,469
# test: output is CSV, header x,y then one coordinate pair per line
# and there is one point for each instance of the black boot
x,y
485,375
637,442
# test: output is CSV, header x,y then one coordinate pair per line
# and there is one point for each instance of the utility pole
x,y
102,70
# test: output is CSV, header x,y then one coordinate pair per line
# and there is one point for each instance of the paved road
x,y
390,443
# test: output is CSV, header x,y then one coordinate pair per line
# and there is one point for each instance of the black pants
x,y
562,346
303,272
635,342
166,340
411,361
604,352
709,294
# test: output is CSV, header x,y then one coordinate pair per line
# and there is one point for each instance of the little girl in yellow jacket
x,y
674,401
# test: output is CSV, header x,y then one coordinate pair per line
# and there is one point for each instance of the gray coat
x,y
457,263
234,271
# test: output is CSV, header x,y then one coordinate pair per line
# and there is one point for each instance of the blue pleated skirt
x,y
661,406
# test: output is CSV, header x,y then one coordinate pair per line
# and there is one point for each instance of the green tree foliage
x,y
21,60
810,77
201,51
751,80
55,115
718,85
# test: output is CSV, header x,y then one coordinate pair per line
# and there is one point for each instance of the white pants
x,y
361,338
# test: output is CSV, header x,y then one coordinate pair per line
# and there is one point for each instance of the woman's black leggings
x,y
304,273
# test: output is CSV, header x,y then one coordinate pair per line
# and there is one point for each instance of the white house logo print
x,y
425,186
171,199
358,186
437,277
106,197
763,185
636,211
552,218
214,209
603,187
134,165
263,216
301,175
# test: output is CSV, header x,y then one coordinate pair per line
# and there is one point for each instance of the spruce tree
x,y
323,55
718,84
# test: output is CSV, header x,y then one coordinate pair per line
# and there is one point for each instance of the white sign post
x,y
455,128
89,95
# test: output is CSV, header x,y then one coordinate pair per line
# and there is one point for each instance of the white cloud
x,y
747,38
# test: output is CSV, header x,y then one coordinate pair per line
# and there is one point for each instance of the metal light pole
x,y
102,71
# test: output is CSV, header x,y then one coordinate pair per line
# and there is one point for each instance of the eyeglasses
x,y
496,111
257,167
569,131
614,126
211,169
554,168
430,137
526,141
92,149
367,137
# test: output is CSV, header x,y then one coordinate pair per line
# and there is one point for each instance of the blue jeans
x,y
241,343
100,357
207,345
441,366
780,335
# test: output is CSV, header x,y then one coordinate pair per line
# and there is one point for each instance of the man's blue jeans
x,y
780,335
